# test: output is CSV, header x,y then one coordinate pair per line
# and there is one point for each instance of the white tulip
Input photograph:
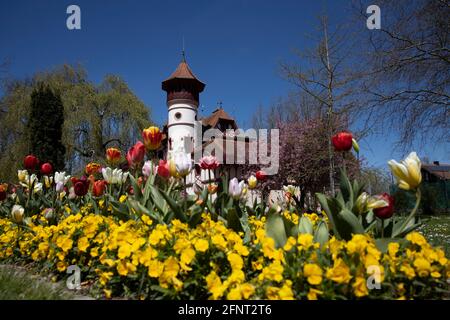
x,y
37,187
235,188
72,194
115,176
183,163
107,174
292,190
60,177
147,168
17,212
407,173
32,181
59,187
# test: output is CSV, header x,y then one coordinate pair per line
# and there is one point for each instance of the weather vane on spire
x,y
183,53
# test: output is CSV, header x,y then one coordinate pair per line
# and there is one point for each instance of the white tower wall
x,y
181,119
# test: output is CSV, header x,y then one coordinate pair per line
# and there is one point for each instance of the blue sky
x,y
233,46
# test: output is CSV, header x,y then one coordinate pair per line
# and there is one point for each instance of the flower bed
x,y
142,259
138,230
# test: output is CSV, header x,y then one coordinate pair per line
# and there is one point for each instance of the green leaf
x,y
276,230
233,221
358,188
322,234
346,188
160,205
147,190
370,227
136,189
140,209
305,226
408,229
177,210
120,207
196,216
370,217
348,224
331,207
383,243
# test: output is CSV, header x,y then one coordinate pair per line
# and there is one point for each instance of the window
x,y
178,115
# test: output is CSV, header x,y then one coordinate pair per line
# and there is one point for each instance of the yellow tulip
x,y
252,182
172,168
22,175
152,137
407,173
376,202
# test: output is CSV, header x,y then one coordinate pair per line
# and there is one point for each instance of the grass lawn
x,y
437,231
17,284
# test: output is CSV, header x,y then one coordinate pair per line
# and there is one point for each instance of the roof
x,y
216,116
219,146
442,171
183,72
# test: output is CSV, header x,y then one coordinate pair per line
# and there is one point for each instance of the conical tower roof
x,y
183,73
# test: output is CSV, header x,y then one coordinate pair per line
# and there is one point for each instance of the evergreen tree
x,y
45,126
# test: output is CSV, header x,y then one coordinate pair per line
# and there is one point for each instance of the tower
x,y
183,89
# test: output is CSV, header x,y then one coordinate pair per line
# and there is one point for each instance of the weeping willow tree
x,y
96,117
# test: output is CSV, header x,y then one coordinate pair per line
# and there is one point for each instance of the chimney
x,y
436,163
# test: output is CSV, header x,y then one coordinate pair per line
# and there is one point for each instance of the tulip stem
x,y
343,162
412,214
382,228
209,182
185,193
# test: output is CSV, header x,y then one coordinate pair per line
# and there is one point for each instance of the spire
x,y
183,84
183,53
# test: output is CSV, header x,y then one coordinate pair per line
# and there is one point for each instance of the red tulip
x,y
261,175
93,168
30,162
152,138
385,212
163,169
3,189
209,163
80,186
342,141
136,154
46,169
113,156
99,188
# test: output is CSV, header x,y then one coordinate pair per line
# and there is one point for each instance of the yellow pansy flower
x,y
313,273
340,272
83,244
155,268
422,266
235,261
416,238
313,293
360,287
201,245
